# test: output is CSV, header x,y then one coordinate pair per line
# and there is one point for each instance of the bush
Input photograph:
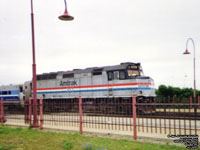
x,y
67,145
4,147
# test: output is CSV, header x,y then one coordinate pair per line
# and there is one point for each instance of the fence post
x,y
2,111
30,112
80,115
25,111
41,113
190,99
134,117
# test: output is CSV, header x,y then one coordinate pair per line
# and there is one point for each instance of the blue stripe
x,y
14,92
10,98
96,90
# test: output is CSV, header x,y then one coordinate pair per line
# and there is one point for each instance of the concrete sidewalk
x,y
106,129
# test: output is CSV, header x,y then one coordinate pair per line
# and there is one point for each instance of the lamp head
x,y
186,52
66,16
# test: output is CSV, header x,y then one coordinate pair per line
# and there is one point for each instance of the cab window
x,y
110,76
132,73
116,75
122,75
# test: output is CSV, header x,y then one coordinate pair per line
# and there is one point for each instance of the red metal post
x,y
134,117
174,116
169,99
80,115
30,111
190,99
34,82
2,111
26,111
41,114
199,101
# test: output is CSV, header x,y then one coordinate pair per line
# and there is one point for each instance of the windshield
x,y
134,70
132,73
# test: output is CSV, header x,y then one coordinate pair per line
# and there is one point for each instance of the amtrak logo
x,y
68,83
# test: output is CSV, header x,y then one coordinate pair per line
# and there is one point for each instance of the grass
x,y
31,139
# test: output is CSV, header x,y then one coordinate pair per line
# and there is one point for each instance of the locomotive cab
x,y
127,71
131,76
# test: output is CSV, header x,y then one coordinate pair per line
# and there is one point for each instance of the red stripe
x,y
93,86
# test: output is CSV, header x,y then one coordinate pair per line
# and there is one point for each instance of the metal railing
x,y
161,116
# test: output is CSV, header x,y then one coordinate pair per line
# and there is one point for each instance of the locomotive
x,y
116,82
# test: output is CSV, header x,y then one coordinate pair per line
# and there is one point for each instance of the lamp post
x,y
65,17
187,52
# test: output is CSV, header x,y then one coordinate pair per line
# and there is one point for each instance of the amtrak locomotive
x,y
119,81
122,80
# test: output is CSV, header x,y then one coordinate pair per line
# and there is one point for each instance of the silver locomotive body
x,y
122,80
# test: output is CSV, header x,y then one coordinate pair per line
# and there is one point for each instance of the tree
x,y
165,91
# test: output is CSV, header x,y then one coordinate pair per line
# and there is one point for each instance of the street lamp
x,y
65,17
187,52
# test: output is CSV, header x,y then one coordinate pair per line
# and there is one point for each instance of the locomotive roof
x,y
92,69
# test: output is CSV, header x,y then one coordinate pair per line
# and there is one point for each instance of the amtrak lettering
x,y
68,83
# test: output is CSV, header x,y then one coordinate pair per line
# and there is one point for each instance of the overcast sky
x,y
104,32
